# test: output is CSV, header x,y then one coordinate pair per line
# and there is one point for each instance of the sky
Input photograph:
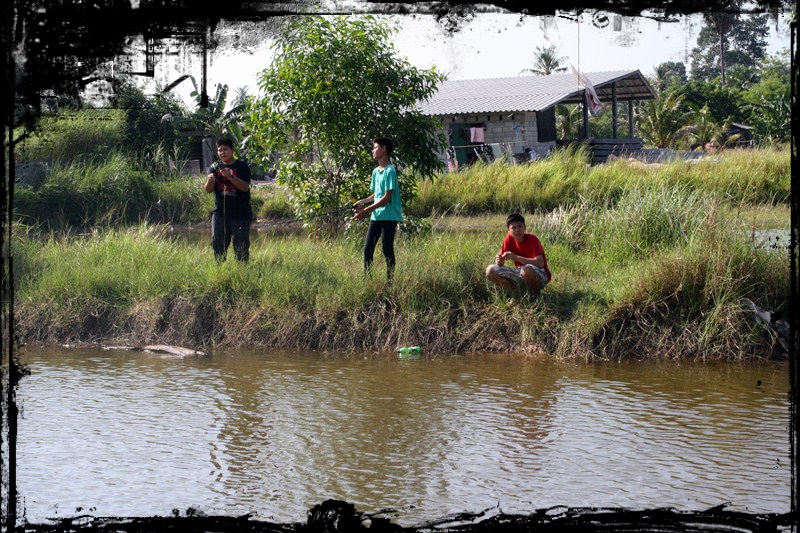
x,y
494,45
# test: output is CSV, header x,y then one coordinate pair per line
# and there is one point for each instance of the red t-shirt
x,y
530,247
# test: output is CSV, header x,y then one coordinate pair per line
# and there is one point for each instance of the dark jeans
x,y
387,228
223,231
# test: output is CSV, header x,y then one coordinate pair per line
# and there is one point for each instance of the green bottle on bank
x,y
409,349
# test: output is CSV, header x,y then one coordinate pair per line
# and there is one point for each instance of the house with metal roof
x,y
516,116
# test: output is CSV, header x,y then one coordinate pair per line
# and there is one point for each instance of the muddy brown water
x,y
118,433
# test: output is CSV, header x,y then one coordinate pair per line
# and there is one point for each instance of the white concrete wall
x,y
500,129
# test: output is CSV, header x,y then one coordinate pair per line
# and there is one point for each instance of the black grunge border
x,y
62,41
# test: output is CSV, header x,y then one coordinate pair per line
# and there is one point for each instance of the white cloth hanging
x,y
476,135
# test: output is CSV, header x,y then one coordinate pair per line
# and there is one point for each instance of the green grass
x,y
73,135
108,191
659,274
734,177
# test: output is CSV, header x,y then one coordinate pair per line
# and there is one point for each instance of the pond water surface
x,y
118,433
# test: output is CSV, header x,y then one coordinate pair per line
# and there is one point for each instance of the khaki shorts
x,y
514,275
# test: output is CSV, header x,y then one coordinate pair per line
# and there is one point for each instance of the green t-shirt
x,y
382,181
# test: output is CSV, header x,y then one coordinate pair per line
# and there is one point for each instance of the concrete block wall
x,y
500,129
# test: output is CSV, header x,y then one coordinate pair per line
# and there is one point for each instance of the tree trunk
x,y
722,54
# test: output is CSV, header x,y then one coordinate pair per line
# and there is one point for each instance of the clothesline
x,y
477,145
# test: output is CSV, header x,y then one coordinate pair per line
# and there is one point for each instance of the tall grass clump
x,y
564,177
293,292
104,284
647,219
162,161
661,273
499,187
83,134
110,190
687,301
566,225
650,268
740,176
87,192
120,266
179,201
273,202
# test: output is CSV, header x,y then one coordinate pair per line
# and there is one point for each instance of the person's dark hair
x,y
514,217
385,142
225,141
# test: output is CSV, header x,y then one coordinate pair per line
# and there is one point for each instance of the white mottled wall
x,y
500,129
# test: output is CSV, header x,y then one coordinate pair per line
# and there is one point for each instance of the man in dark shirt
x,y
229,180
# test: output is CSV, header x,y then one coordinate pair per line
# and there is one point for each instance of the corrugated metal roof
x,y
531,93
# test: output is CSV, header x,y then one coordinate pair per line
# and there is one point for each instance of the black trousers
x,y
224,230
384,230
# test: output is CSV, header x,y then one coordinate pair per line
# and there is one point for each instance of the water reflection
x,y
274,434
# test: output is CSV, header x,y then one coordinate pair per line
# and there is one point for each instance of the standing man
x,y
530,264
229,180
385,211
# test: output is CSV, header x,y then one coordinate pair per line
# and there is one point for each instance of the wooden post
x,y
614,110
585,116
630,118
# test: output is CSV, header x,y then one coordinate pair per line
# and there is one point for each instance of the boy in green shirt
x,y
385,211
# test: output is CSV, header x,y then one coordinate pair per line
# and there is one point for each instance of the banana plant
x,y
212,121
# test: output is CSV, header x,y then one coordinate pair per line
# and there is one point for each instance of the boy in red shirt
x,y
526,251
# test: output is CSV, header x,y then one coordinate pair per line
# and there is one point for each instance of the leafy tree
x,y
725,102
662,121
774,79
670,75
728,38
768,102
741,76
545,62
334,85
569,121
777,65
144,127
602,125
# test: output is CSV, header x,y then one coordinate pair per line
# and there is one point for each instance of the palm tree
x,y
545,62
662,121
703,130
569,119
241,96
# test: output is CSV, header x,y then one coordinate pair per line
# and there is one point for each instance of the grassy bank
x,y
660,273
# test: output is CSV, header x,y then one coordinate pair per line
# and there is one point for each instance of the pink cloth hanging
x,y
476,135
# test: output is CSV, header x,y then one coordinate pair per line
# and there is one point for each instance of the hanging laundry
x,y
452,161
476,135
